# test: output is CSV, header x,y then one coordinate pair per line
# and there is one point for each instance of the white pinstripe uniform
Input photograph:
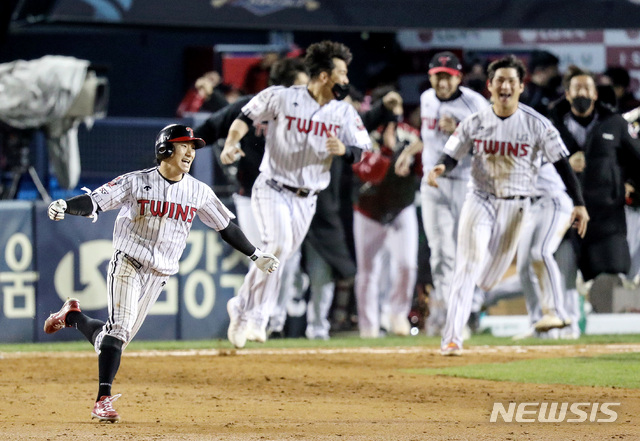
x,y
149,236
542,232
441,206
632,214
295,156
506,156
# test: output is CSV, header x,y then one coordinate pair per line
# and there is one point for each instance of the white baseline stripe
x,y
473,350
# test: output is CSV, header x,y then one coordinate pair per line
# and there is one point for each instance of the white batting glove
x,y
56,210
266,262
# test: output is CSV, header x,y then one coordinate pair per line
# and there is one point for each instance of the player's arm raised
x,y
81,205
232,151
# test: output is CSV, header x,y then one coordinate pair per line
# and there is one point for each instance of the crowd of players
x,y
372,206
497,178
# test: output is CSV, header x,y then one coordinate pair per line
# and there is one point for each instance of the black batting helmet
x,y
174,133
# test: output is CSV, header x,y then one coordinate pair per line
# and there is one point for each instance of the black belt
x,y
486,195
300,192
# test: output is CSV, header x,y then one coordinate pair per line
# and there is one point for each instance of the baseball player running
x,y
508,142
157,208
308,125
286,73
542,232
441,109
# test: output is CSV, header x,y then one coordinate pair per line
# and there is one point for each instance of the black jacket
x,y
612,154
217,127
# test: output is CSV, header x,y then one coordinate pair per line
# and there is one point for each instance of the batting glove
x,y
57,209
266,262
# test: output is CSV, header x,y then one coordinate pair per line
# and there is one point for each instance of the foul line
x,y
473,350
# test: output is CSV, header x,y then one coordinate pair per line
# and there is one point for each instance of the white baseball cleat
x,y
400,324
255,332
237,331
550,321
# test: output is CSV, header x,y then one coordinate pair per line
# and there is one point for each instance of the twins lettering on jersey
x,y
431,123
171,209
309,126
500,148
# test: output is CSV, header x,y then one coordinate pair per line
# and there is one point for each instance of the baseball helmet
x,y
174,133
445,62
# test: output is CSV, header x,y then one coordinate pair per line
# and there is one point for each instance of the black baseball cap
x,y
445,62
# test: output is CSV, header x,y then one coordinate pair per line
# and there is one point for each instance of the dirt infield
x,y
341,394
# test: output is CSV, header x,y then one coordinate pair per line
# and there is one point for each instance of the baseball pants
x,y
131,293
401,239
633,238
283,220
288,268
441,209
542,232
488,236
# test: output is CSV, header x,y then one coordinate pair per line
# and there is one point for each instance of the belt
x,y
300,192
486,195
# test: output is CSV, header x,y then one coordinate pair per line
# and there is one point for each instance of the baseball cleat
x,y
103,409
451,349
255,332
549,321
57,320
400,324
237,331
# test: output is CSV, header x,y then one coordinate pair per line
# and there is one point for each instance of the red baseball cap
x,y
445,62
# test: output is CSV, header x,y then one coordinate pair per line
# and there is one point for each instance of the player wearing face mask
x,y
605,152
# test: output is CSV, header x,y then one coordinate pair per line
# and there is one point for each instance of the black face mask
x,y
340,91
581,104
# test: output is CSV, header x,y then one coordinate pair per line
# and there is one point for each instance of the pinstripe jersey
x,y
507,153
295,145
431,109
549,181
156,215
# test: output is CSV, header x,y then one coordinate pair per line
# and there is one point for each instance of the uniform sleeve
x,y
217,125
265,105
552,145
459,143
353,132
113,194
214,213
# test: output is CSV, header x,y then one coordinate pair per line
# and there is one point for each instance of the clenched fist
x,y
56,210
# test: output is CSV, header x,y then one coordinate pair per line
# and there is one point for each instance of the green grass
x,y
342,341
611,370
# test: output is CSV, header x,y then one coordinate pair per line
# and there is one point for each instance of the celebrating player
x,y
509,141
442,107
308,126
157,207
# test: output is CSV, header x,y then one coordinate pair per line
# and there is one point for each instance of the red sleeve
x,y
192,102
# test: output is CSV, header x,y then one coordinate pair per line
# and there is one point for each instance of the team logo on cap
x,y
190,130
444,60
